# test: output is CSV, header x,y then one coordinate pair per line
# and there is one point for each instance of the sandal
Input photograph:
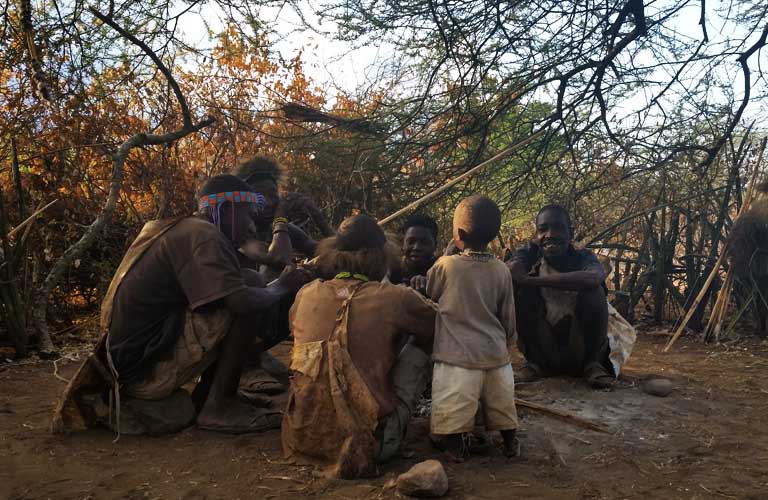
x,y
529,373
512,451
259,420
598,377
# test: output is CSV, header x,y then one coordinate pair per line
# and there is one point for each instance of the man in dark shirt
x,y
562,312
275,240
272,244
185,308
419,247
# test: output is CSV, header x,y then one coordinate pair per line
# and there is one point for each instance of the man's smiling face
x,y
554,233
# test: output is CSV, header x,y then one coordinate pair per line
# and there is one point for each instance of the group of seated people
x,y
196,299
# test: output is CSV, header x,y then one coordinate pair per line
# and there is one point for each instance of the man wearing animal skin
x,y
185,308
360,357
562,312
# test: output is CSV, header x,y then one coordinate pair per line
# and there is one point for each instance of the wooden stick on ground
x,y
460,178
716,269
561,415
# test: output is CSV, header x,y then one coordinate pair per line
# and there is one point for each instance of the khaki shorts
x,y
457,391
196,350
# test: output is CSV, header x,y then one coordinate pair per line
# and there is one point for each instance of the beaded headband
x,y
217,199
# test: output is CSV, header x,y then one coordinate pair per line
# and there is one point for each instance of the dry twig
x,y
562,415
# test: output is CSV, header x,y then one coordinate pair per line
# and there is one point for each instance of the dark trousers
x,y
575,342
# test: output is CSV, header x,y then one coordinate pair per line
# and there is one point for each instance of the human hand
x,y
419,283
293,278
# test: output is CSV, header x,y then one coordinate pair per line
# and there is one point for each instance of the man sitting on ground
x,y
562,312
272,244
183,308
275,240
357,378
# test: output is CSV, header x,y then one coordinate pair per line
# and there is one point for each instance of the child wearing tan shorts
x,y
474,330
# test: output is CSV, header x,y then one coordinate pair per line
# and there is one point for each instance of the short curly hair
x,y
421,220
479,217
559,209
259,168
360,246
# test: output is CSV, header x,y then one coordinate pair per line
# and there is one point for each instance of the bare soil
x,y
708,439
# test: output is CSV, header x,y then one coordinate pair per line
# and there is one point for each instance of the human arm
x,y
506,310
591,275
301,240
211,272
416,316
576,280
274,256
435,278
280,252
287,237
251,298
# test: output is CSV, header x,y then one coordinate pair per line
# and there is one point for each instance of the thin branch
x,y
187,117
703,21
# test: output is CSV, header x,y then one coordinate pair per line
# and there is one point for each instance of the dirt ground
x,y
709,439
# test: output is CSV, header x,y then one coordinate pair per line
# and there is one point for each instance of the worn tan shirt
x,y
476,311
381,315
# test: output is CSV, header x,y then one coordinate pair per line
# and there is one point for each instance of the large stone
x,y
425,479
659,387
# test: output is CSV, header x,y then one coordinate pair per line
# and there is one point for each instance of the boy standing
x,y
474,329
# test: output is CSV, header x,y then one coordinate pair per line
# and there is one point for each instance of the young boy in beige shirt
x,y
474,329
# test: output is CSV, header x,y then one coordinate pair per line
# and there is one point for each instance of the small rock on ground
x,y
425,479
659,387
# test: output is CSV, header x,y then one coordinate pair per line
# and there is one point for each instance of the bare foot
x,y
237,417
